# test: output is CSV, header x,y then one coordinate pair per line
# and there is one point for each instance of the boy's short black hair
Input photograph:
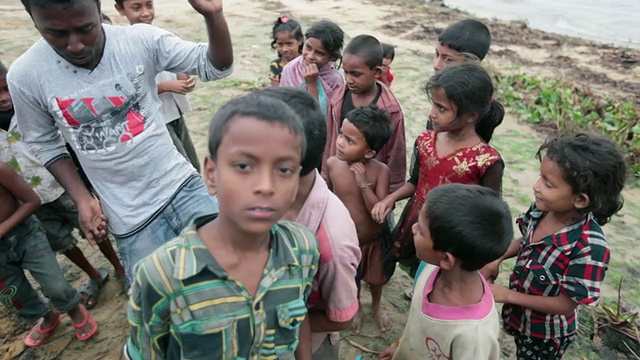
x,y
3,69
388,51
120,2
28,4
467,36
592,165
253,105
368,48
373,123
313,121
469,221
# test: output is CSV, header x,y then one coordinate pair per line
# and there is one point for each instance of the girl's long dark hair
x,y
331,36
469,86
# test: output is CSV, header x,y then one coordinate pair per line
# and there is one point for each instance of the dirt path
x,y
412,27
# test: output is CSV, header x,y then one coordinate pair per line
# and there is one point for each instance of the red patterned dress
x,y
464,166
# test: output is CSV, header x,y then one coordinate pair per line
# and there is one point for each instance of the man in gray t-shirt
x,y
94,85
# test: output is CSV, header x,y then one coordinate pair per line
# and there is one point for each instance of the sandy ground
x,y
412,27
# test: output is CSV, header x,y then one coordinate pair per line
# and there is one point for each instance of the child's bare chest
x,y
345,182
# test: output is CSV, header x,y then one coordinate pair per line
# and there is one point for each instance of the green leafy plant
x,y
566,108
617,327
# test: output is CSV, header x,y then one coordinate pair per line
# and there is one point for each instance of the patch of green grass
x,y
568,108
242,84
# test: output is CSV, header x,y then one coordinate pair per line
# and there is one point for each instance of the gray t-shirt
x,y
111,116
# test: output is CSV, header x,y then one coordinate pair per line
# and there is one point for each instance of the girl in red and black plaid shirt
x,y
563,255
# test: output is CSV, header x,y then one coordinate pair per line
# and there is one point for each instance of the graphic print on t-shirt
x,y
434,350
111,112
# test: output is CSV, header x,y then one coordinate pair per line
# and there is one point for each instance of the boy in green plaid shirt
x,y
234,284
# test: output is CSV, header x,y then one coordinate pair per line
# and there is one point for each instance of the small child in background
x,y
172,88
233,285
563,255
287,40
457,151
461,228
23,246
361,181
388,54
362,63
315,70
468,36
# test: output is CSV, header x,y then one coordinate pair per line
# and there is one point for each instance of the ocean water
x,y
607,21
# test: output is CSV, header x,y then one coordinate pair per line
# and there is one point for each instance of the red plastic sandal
x,y
87,319
45,334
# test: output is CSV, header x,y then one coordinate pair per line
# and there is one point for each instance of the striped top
x,y
184,305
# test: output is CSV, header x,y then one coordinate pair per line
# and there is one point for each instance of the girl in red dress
x,y
464,116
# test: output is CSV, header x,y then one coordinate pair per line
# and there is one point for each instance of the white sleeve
x,y
176,55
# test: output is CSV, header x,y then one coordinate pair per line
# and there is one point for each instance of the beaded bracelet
x,y
365,185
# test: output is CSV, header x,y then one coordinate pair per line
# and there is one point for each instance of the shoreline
x,y
581,24
612,69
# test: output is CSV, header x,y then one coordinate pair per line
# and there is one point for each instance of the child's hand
x,y
181,87
206,7
311,74
500,293
384,70
388,353
190,83
381,210
491,270
360,173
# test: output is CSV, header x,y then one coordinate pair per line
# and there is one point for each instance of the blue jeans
x,y
26,248
189,203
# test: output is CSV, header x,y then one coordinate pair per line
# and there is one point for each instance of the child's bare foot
x,y
382,319
356,324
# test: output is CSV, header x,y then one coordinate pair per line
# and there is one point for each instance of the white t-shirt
x,y
435,331
111,116
173,104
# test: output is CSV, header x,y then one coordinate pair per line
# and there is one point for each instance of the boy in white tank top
x,y
460,229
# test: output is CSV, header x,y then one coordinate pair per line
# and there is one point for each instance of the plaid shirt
x,y
572,261
184,305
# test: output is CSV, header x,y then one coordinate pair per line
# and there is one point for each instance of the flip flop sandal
x,y
44,333
91,287
88,319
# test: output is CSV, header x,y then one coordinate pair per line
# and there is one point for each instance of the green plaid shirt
x,y
183,304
